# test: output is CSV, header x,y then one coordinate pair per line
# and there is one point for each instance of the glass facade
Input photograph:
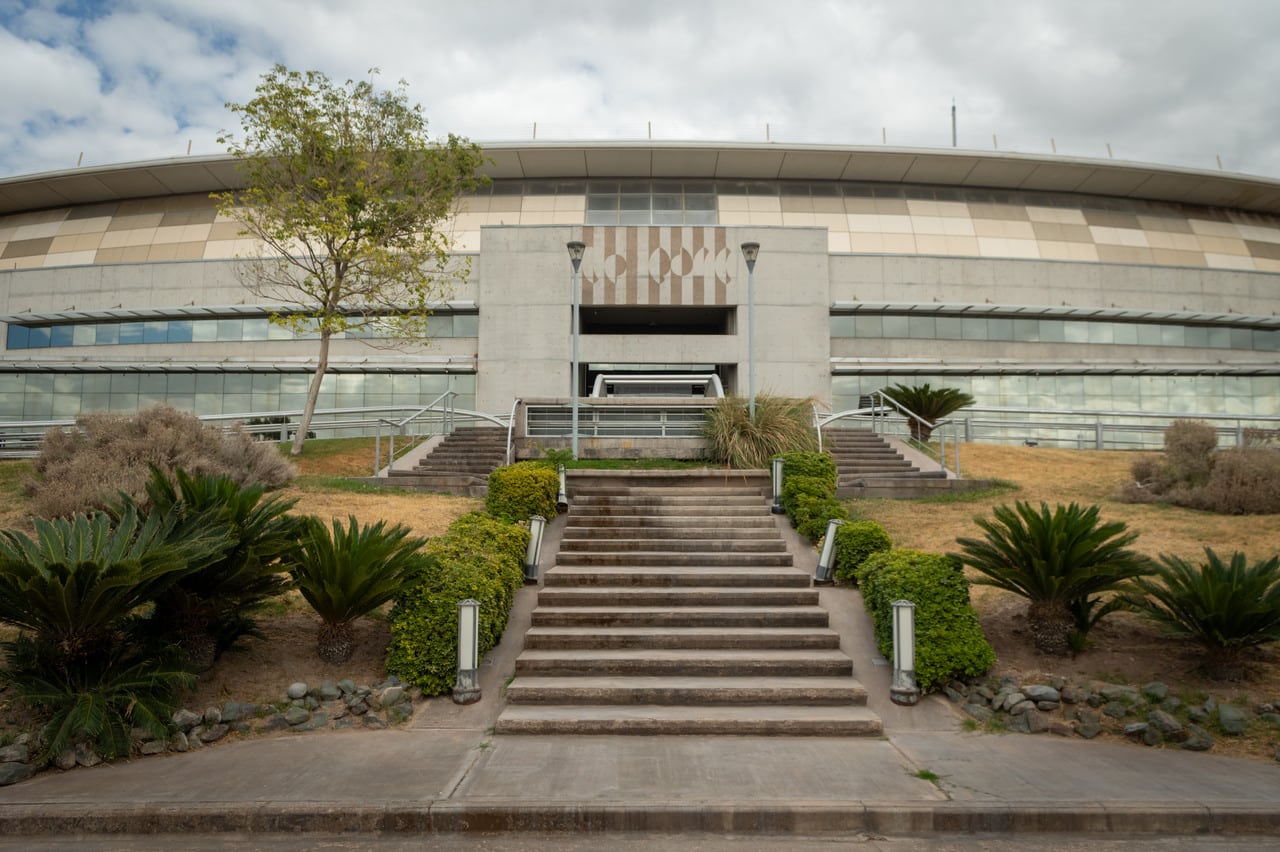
x,y
934,327
228,329
651,203
51,396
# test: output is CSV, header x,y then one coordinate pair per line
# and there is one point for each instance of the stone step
x,y
681,500
676,596
701,662
766,531
609,616
695,720
428,480
645,559
643,511
681,637
657,523
684,544
682,575
683,491
704,691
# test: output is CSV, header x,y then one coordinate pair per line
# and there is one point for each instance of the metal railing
x,y
889,417
438,411
1097,429
617,421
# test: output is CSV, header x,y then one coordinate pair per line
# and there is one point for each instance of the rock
x,y
1135,729
1013,699
1061,729
1151,737
1264,707
1022,707
1070,713
272,723
328,692
359,708
347,686
342,724
1155,691
1093,699
317,721
185,719
296,690
1090,724
66,759
12,773
1047,706
16,753
1164,722
86,756
955,686
980,689
399,713
193,738
954,696
214,733
1273,718
1232,719
234,711
979,712
1040,693
1171,703
311,702
212,715
374,721
153,747
1277,752
1119,692
296,715
242,727
1020,724
180,742
1198,739
1115,709
1037,722
1198,714
1210,705
1074,695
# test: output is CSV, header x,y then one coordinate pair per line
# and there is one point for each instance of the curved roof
x,y
719,161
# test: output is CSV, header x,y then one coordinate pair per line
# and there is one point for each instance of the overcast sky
x,y
1172,82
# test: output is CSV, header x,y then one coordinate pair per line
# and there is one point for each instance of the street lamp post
x,y
750,251
576,249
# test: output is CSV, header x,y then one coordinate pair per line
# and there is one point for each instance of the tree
x,y
346,195
927,403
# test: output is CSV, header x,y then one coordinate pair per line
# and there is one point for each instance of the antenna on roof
x,y
953,122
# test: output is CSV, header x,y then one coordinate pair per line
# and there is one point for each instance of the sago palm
x,y
1061,561
929,403
350,572
1227,607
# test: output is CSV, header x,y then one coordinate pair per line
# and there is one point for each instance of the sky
x,y
1170,82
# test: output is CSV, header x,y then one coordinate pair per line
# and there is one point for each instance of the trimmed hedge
x,y
854,543
949,639
809,464
809,493
521,490
478,557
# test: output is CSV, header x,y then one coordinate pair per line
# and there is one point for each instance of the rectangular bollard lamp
x,y
827,556
467,688
776,466
562,497
537,524
904,689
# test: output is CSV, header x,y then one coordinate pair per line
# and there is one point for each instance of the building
x,y
1028,281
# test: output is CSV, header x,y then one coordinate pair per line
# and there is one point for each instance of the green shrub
x,y
479,557
949,639
809,464
812,514
854,543
84,469
782,424
519,491
812,487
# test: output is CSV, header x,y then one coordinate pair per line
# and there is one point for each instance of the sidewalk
x,y
445,773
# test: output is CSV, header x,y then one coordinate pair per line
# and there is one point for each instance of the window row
x,y
932,327
41,396
229,329
651,203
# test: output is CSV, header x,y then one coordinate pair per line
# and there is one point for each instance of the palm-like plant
x,y
928,403
1228,607
349,573
1061,561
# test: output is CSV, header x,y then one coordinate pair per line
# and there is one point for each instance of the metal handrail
x,y
879,423
511,423
443,404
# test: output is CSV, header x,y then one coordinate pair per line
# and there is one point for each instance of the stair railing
x,y
511,424
881,405
442,405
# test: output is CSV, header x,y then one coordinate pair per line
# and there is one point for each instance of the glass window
x,y
1195,335
1124,333
895,326
60,335
949,328
1000,328
17,337
1102,332
1075,331
868,325
974,328
1051,331
37,337
255,328
1241,338
155,331
843,325
921,327
132,332
84,334
230,329
1026,330
466,325
1172,335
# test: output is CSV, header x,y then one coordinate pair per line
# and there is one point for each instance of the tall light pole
x,y
750,251
576,249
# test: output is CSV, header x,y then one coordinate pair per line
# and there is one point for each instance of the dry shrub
x,y
85,468
782,425
1188,449
1245,481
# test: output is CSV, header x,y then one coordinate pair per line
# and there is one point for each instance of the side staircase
x,y
677,610
868,466
460,464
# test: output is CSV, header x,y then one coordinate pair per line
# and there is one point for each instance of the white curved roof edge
x,y
1057,312
423,364
845,365
993,170
186,312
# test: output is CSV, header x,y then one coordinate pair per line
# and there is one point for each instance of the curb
x,y
782,818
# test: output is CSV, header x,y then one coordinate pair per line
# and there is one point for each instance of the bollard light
x,y
777,486
904,689
827,556
562,497
467,688
537,524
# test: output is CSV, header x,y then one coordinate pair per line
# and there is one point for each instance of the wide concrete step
x,y
607,615
642,559
691,596
589,525
619,531
683,544
642,511
660,662
668,500
752,576
427,479
681,637
714,691
682,491
696,720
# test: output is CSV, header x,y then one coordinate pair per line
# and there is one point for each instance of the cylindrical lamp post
x,y
576,249
904,689
776,466
467,688
537,524
562,496
827,556
750,251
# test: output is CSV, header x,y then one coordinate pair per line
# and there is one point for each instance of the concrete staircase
x,y
460,464
868,466
676,610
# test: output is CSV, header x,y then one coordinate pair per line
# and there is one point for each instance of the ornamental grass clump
x,y
1062,561
1227,607
782,424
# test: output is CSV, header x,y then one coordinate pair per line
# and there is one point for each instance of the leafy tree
x,y
1060,561
346,194
931,404
350,573
1228,607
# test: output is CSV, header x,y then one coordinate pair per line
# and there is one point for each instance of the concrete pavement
x,y
445,772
